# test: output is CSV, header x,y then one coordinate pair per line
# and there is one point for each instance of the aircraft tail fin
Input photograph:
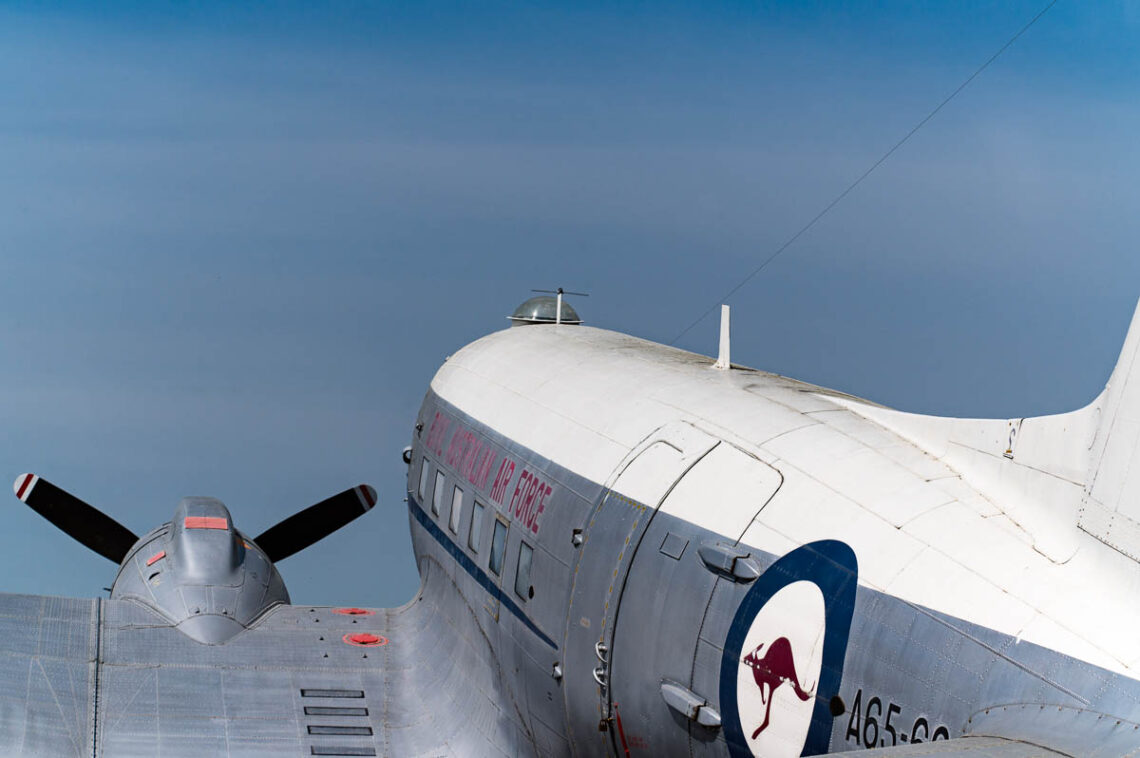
x,y
1050,474
1110,509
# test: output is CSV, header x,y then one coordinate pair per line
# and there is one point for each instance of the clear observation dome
x,y
542,310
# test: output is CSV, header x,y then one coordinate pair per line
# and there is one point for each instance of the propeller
x,y
315,522
113,541
561,291
84,522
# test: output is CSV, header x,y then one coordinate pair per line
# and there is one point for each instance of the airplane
x,y
627,549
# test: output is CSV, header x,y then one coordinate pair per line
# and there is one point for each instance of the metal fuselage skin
x,y
667,559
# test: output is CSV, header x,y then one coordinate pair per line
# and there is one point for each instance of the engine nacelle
x,y
204,576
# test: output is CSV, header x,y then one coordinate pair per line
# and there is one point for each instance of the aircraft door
x,y
608,541
660,614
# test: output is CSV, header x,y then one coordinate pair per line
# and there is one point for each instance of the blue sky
x,y
236,243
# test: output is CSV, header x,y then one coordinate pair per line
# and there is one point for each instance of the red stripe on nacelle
x,y
156,557
205,522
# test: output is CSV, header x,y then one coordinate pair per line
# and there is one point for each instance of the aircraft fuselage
x,y
667,559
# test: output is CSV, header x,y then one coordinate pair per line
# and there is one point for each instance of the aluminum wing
x,y
963,747
302,681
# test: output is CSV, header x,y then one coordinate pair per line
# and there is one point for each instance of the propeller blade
x,y
315,522
84,522
561,291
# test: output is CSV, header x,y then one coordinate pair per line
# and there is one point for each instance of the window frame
x,y
506,532
437,492
425,469
475,526
456,509
526,590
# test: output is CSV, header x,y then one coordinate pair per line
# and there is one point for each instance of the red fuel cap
x,y
365,639
354,612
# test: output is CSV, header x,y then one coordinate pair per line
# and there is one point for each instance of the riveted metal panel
x,y
674,594
291,684
47,675
612,535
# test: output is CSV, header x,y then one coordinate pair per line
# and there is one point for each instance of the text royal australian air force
x,y
474,458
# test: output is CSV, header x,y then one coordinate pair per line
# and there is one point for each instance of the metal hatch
x,y
660,612
610,537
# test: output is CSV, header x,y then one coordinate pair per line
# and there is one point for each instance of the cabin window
x,y
437,495
456,508
476,527
498,547
425,469
522,575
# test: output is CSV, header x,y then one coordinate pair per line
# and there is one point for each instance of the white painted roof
x,y
586,397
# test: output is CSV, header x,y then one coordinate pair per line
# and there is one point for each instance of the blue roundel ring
x,y
832,566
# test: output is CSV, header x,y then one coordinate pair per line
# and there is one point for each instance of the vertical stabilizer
x,y
1048,472
1110,510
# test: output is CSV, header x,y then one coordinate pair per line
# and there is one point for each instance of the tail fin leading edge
x,y
1049,474
1110,509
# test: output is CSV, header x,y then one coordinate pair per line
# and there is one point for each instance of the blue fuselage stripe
x,y
486,582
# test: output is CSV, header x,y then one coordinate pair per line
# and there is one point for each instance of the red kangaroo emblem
x,y
772,670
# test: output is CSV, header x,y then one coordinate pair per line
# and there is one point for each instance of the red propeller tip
x,y
367,496
23,486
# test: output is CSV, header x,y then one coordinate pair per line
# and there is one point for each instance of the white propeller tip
x,y
367,496
23,486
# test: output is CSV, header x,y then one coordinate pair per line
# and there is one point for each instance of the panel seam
x,y
95,677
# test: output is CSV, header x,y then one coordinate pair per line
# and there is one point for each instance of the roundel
x,y
783,658
778,670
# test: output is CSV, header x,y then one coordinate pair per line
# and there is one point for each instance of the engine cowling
x,y
199,572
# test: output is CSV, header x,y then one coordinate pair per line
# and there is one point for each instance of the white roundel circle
x,y
778,671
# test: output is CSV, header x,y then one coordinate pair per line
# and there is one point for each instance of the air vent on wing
x,y
344,720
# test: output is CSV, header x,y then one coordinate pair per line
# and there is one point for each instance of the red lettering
x,y
484,470
519,488
502,480
474,447
498,480
524,510
454,448
529,499
455,451
541,507
437,432
531,483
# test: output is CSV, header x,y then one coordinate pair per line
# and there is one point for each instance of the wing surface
x,y
307,681
1032,729
302,681
47,675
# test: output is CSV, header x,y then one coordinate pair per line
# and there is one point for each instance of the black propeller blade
x,y
315,522
84,522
